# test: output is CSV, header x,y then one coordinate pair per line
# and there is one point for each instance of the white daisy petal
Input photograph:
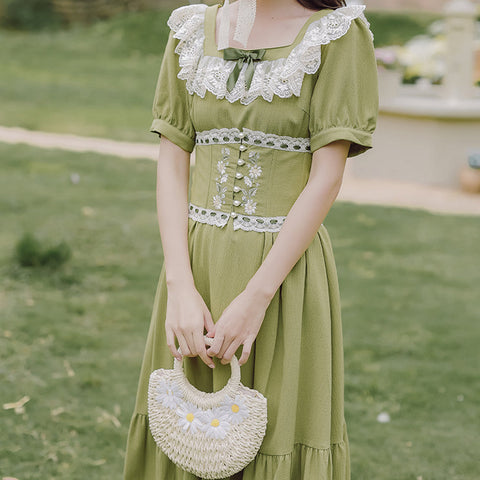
x,y
189,417
235,409
215,424
168,394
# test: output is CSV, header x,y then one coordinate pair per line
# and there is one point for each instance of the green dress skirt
x,y
253,152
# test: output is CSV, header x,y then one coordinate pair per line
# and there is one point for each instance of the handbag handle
x,y
207,399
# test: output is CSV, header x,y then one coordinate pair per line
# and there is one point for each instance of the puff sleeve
x,y
172,102
344,102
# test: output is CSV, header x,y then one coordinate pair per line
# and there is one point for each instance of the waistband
x,y
240,221
252,137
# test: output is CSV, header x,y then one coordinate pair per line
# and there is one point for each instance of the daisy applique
x,y
235,409
168,394
215,423
189,417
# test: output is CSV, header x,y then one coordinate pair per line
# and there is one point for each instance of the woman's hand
x,y
186,317
239,324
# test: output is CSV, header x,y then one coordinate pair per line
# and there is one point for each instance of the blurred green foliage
x,y
28,14
30,252
395,28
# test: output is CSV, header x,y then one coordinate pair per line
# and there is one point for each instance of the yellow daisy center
x,y
215,422
235,408
190,417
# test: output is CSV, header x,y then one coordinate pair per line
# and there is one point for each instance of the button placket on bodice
x,y
239,188
243,196
236,182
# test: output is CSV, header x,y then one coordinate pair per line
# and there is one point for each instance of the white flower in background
x,y
248,181
223,178
215,423
168,394
190,417
424,56
387,57
383,417
74,178
235,409
437,28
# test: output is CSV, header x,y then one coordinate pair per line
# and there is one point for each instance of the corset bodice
x,y
249,176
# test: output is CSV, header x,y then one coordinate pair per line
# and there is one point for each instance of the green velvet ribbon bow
x,y
242,56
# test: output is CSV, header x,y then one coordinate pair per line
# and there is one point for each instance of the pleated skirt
x,y
296,361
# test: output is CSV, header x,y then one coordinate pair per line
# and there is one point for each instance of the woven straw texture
x,y
212,435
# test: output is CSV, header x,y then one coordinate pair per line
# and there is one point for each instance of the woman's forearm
x,y
303,220
173,169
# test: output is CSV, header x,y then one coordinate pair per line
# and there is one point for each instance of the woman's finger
x,y
230,351
183,344
247,347
208,322
227,341
201,350
216,345
171,343
189,337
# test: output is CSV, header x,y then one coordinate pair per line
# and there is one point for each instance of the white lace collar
x,y
282,77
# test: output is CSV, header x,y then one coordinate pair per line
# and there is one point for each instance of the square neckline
x,y
271,53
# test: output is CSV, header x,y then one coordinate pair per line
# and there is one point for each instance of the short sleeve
x,y
344,102
172,102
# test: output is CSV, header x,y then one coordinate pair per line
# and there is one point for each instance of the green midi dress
x,y
253,151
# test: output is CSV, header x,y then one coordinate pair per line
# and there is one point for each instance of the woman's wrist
x,y
260,292
180,281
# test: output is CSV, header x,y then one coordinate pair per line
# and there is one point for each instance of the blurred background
x,y
80,251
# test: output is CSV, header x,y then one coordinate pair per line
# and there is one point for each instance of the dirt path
x,y
373,192
78,144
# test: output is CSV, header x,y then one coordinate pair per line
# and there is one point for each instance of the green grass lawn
x,y
72,339
97,80
100,80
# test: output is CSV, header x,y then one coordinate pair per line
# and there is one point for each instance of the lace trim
x,y
253,137
282,77
206,215
258,224
242,222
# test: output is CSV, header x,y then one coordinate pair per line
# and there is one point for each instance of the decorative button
x,y
242,148
233,214
239,175
241,135
240,161
236,203
236,188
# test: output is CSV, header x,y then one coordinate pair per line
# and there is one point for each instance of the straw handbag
x,y
210,434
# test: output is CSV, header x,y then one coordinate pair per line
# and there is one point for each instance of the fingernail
x,y
212,366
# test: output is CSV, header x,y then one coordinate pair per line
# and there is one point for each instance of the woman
x,y
247,257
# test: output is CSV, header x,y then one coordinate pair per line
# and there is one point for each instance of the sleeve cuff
x,y
361,140
161,127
